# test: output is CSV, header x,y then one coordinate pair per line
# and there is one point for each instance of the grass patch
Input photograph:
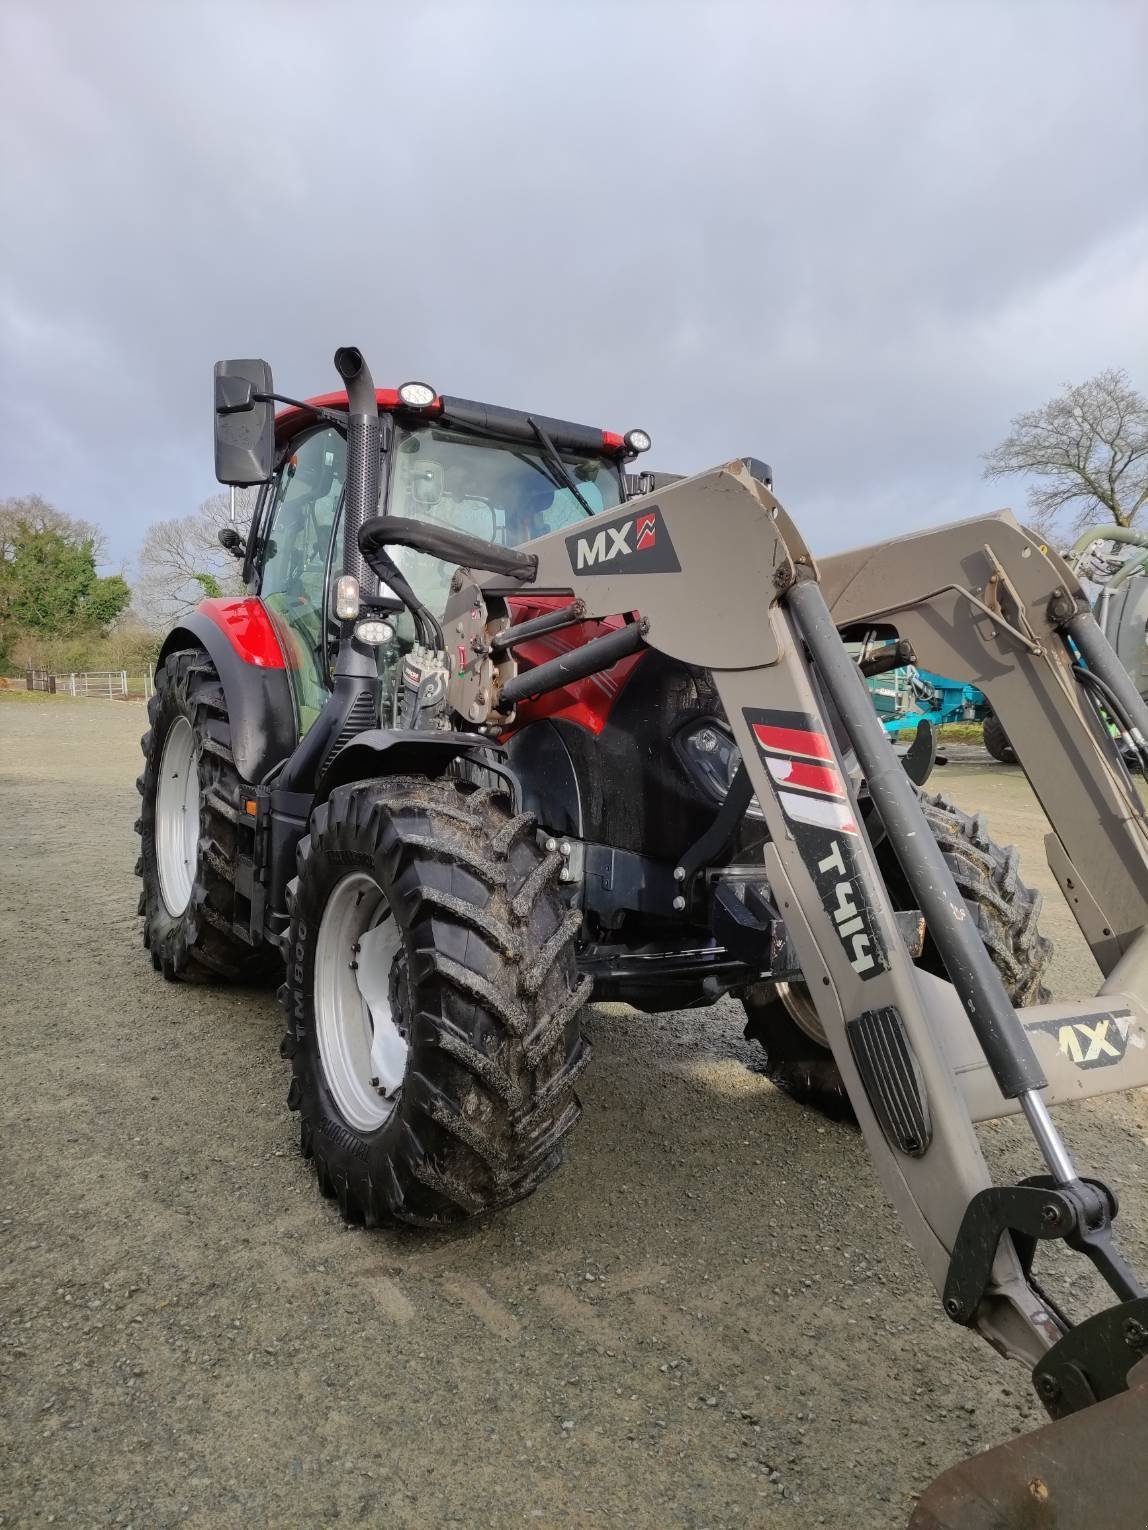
x,y
10,693
950,733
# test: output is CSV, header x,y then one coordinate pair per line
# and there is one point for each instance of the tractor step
x,y
892,1078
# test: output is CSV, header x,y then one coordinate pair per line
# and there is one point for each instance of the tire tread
x,y
201,943
495,1045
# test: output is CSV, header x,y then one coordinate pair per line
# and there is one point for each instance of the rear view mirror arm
x,y
332,416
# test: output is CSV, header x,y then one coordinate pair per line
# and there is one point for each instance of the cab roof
x,y
513,424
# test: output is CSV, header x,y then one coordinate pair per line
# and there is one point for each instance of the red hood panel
x,y
585,702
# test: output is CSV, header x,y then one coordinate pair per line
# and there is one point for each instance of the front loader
x,y
524,737
1116,559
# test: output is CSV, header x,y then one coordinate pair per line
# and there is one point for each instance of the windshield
x,y
501,491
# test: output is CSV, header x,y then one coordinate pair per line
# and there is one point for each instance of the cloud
x,y
852,239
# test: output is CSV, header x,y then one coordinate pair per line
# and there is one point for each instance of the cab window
x,y
303,540
501,491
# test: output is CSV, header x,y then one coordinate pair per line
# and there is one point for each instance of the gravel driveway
x,y
708,1318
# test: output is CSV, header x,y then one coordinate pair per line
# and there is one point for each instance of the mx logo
x,y
639,545
1093,1041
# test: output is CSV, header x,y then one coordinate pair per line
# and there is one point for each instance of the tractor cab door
x,y
300,552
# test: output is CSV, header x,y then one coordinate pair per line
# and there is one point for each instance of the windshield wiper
x,y
540,465
557,465
550,466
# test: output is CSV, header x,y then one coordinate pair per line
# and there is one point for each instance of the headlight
x,y
417,395
374,632
712,758
637,440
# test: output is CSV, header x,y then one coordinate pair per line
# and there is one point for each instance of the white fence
x,y
106,684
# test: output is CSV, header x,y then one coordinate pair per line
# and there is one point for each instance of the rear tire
x,y
190,837
1006,912
997,741
456,898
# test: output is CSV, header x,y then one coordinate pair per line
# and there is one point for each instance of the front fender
x,y
404,751
260,706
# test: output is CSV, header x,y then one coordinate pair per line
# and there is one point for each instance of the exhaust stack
x,y
361,494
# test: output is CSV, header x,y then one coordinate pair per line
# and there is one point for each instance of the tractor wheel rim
x,y
362,1048
801,1010
177,817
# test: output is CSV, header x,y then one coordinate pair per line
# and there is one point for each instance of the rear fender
x,y
260,706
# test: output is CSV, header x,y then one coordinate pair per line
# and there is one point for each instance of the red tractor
x,y
502,724
267,706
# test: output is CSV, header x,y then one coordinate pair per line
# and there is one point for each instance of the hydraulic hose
x,y
1097,654
1129,567
1129,534
361,494
1109,702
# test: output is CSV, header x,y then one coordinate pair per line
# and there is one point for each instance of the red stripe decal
x,y
815,778
793,741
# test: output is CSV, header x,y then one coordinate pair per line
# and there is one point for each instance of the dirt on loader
x,y
708,1318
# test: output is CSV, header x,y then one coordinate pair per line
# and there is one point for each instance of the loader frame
x,y
717,575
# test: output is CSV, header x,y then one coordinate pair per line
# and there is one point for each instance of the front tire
x,y
783,1018
432,1002
191,825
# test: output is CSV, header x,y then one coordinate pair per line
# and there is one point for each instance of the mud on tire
x,y
1005,911
199,942
487,982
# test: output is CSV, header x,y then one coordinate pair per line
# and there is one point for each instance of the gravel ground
x,y
708,1318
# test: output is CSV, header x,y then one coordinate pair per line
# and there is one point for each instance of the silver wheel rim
x,y
177,817
361,1048
800,1009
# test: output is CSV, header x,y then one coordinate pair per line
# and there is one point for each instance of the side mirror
x,y
244,424
231,540
232,394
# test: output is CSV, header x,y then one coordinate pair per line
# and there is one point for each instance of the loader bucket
x,y
1086,1471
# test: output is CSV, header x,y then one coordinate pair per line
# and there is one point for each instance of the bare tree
x,y
181,560
1089,449
31,513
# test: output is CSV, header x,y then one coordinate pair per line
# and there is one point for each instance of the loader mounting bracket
x,y
1080,1213
1092,1361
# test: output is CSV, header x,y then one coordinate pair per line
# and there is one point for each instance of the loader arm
x,y
987,602
719,577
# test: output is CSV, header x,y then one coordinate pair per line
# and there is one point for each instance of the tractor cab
x,y
495,489
497,474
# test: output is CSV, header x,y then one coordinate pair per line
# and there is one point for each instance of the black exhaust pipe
x,y
361,495
353,704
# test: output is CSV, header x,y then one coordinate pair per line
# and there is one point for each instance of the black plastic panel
x,y
892,1079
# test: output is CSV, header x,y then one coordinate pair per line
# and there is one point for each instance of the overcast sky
x,y
853,239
